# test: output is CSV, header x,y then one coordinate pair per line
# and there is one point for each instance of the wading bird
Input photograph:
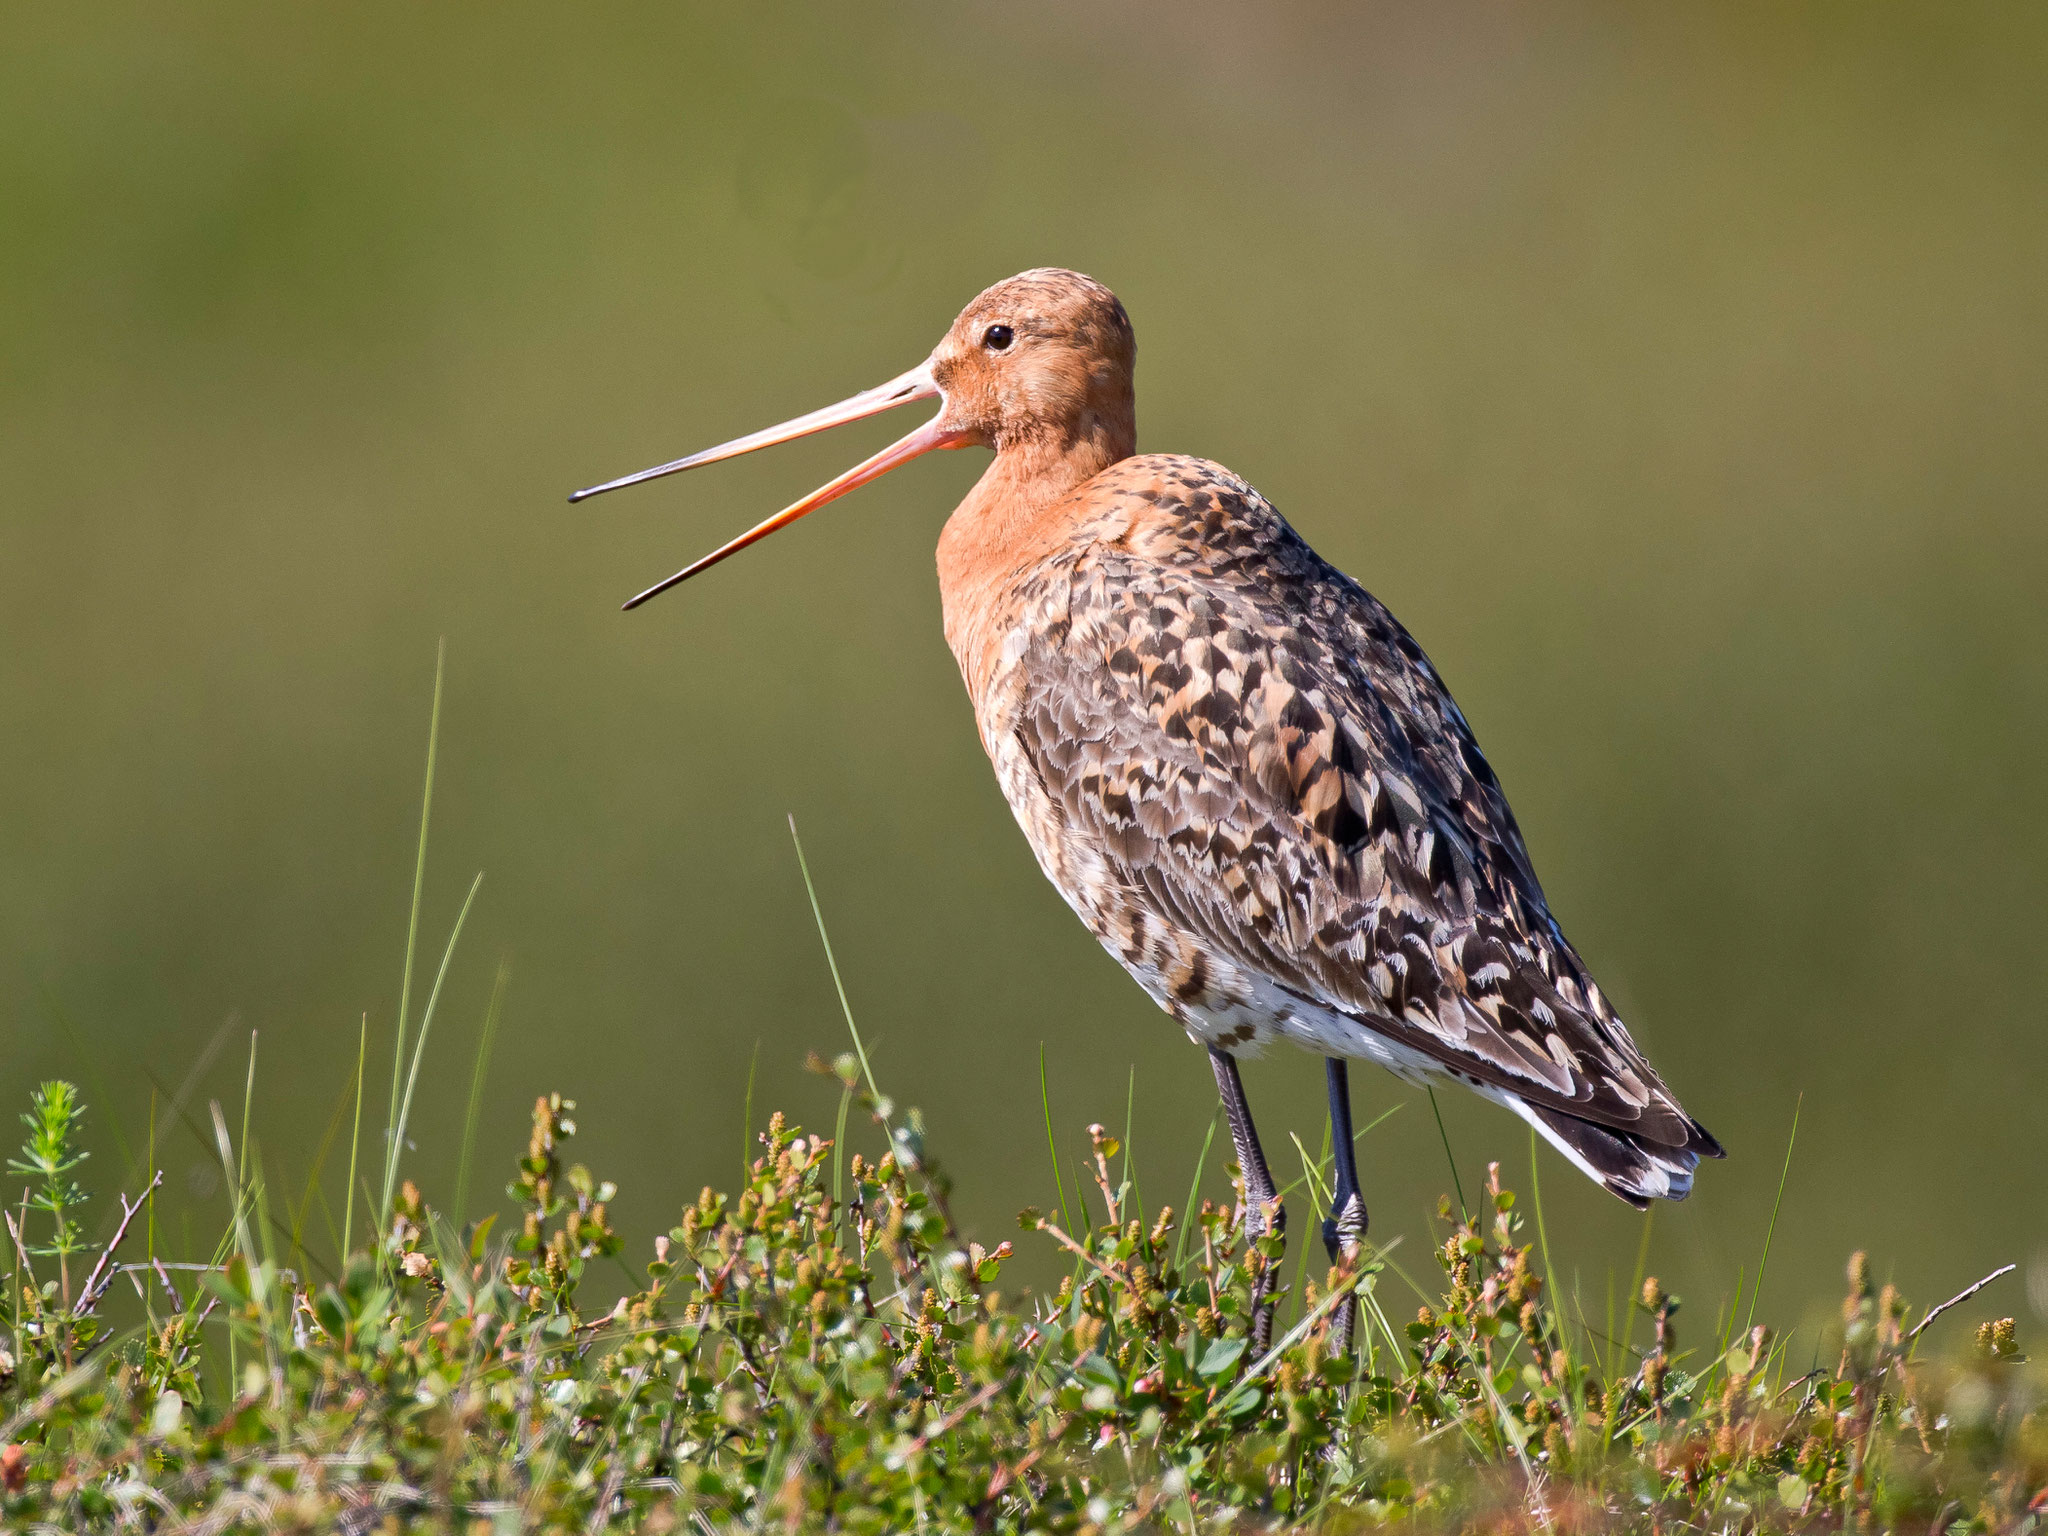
x,y
1236,765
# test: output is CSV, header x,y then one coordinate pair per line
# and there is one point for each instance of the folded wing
x,y
1263,756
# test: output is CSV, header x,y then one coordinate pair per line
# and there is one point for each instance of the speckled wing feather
x,y
1258,777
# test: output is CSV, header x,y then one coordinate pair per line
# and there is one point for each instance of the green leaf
x,y
1096,1371
329,1312
1220,1357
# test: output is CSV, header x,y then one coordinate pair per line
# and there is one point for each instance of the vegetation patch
x,y
821,1351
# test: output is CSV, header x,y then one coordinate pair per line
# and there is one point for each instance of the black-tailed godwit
x,y
1235,764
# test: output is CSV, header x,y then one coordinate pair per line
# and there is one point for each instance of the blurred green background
x,y
1678,374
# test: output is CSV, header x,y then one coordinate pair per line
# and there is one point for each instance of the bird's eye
x,y
997,337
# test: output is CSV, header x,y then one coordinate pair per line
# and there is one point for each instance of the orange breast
x,y
1015,532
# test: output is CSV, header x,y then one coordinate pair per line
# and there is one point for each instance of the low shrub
x,y
822,1351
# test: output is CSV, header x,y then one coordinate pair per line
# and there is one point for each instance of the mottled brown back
x,y
1248,768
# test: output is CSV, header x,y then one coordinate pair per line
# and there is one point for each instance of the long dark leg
x,y
1263,1211
1344,1228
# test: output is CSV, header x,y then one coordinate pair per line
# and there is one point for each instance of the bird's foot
x,y
1344,1229
1343,1239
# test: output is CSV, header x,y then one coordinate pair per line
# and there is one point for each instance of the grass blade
x,y
355,1141
1632,1302
419,880
248,1098
1187,1215
839,1150
832,965
305,1205
1052,1145
1536,1196
149,1293
877,1105
1321,1194
1784,1173
747,1118
476,1090
239,1237
1130,1192
1464,1212
419,1050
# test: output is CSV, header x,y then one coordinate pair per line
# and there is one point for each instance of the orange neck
x,y
1019,514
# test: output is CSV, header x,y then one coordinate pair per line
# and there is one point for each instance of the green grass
x,y
794,1360
821,1349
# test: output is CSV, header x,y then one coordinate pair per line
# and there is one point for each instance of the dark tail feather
x,y
1637,1170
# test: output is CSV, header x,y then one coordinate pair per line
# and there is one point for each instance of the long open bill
x,y
917,384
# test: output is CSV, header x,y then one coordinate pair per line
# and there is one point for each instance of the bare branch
x,y
102,1275
176,1300
1959,1297
1067,1242
20,1247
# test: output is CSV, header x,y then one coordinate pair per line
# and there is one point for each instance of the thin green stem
x,y
149,1219
1536,1198
478,1070
420,1049
831,964
1052,1145
1771,1231
1124,1177
1633,1298
412,927
355,1141
839,1151
747,1119
1321,1194
1464,1212
1187,1216
248,1098
305,1205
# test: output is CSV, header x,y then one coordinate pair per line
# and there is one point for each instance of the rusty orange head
x,y
1042,359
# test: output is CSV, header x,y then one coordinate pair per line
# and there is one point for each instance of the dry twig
x,y
1957,1299
102,1274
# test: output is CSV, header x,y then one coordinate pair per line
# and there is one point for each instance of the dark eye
x,y
997,337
